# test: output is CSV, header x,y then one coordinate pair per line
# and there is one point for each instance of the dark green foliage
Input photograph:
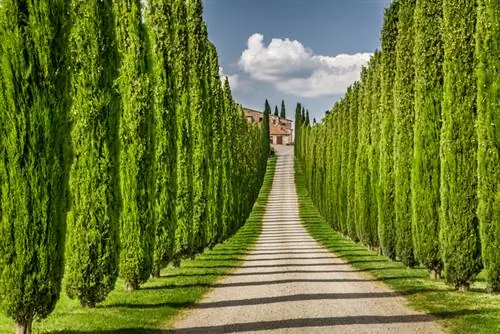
x,y
386,224
136,146
160,26
276,113
428,59
403,136
283,110
265,127
488,108
93,223
459,233
34,156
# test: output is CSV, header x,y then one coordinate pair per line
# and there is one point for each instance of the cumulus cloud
x,y
295,69
234,80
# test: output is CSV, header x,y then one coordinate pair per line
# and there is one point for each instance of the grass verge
x,y
154,306
472,312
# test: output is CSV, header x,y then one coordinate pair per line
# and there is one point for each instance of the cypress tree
x,y
344,135
488,108
363,194
136,147
386,224
283,110
265,127
93,223
160,29
403,127
351,163
184,199
216,178
276,113
227,187
428,59
461,250
34,160
196,49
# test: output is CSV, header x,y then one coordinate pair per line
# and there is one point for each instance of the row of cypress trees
x,y
115,118
408,160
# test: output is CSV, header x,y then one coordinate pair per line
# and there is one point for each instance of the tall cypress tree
x,y
136,147
276,113
386,224
34,160
374,157
93,223
351,163
403,136
283,110
459,232
428,59
184,199
216,178
488,107
364,196
196,49
160,22
265,127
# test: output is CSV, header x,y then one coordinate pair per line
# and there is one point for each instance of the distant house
x,y
279,128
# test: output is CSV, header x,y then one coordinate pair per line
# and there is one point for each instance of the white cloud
x,y
234,80
294,69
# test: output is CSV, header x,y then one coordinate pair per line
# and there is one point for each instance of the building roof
x,y
248,110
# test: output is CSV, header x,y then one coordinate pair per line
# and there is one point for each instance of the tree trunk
x,y
24,327
434,274
463,287
131,286
155,273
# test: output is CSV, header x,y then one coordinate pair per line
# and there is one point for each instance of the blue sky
x,y
296,50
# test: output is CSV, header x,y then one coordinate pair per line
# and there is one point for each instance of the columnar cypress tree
x,y
184,200
93,223
216,178
363,194
283,110
265,127
298,124
160,22
227,186
34,160
196,47
386,224
374,156
488,107
403,127
136,147
351,163
428,59
276,113
459,233
344,134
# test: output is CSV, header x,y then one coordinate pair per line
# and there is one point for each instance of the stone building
x,y
279,128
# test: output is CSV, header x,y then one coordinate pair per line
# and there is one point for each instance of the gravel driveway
x,y
290,284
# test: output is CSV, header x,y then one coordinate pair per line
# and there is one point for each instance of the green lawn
x,y
159,300
472,312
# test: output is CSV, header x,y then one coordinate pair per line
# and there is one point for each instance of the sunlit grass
x,y
154,306
472,312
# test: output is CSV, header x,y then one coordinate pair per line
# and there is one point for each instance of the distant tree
x,y
308,122
488,106
283,111
94,221
34,156
136,146
265,126
276,113
459,234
